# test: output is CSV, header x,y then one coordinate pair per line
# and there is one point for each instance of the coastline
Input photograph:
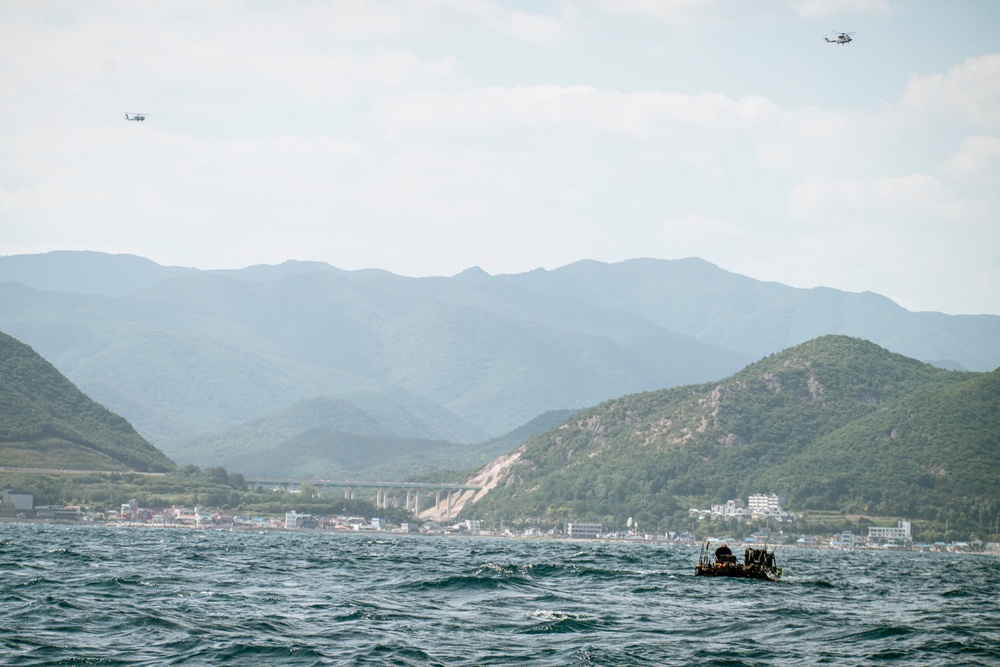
x,y
481,535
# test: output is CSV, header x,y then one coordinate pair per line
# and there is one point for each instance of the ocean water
x,y
92,595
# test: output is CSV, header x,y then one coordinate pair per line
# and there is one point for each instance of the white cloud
x,y
821,8
304,168
239,58
706,125
568,108
692,11
444,16
536,28
817,140
916,195
822,198
694,234
970,91
667,10
912,198
978,157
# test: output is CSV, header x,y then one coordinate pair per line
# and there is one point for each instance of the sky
x,y
425,137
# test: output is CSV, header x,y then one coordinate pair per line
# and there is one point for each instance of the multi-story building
x,y
893,536
583,530
768,506
763,505
16,503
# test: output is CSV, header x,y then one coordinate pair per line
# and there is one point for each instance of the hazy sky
x,y
427,136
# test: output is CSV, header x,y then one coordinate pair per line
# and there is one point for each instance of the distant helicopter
x,y
839,37
135,116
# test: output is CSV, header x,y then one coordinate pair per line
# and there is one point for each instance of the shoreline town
x,y
19,508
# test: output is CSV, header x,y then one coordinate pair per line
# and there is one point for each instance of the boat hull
x,y
737,571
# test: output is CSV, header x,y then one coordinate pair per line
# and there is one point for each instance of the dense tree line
x,y
187,486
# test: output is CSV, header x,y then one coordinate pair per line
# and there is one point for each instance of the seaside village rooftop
x,y
761,506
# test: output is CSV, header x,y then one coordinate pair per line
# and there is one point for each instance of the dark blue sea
x,y
92,595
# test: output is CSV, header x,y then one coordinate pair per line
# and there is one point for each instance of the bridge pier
x,y
448,498
385,493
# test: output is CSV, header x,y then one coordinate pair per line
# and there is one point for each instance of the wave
x,y
555,622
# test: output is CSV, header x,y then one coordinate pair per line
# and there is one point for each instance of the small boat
x,y
757,564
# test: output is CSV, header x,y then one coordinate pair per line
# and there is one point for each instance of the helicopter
x,y
135,116
839,37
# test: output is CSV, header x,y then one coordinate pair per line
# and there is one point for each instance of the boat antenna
x,y
765,548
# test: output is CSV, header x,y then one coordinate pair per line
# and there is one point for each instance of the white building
x,y
897,535
583,530
768,506
733,509
764,505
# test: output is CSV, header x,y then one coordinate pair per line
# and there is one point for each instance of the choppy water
x,y
105,596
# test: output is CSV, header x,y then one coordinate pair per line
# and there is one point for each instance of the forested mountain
x,y
836,423
45,421
195,359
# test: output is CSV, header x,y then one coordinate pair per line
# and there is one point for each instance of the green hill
x,y
46,422
835,424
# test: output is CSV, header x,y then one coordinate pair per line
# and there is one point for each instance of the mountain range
x,y
242,365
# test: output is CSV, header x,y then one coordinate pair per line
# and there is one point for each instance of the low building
x,y
847,540
59,513
733,509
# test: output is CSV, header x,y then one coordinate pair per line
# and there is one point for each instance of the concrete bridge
x,y
382,490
